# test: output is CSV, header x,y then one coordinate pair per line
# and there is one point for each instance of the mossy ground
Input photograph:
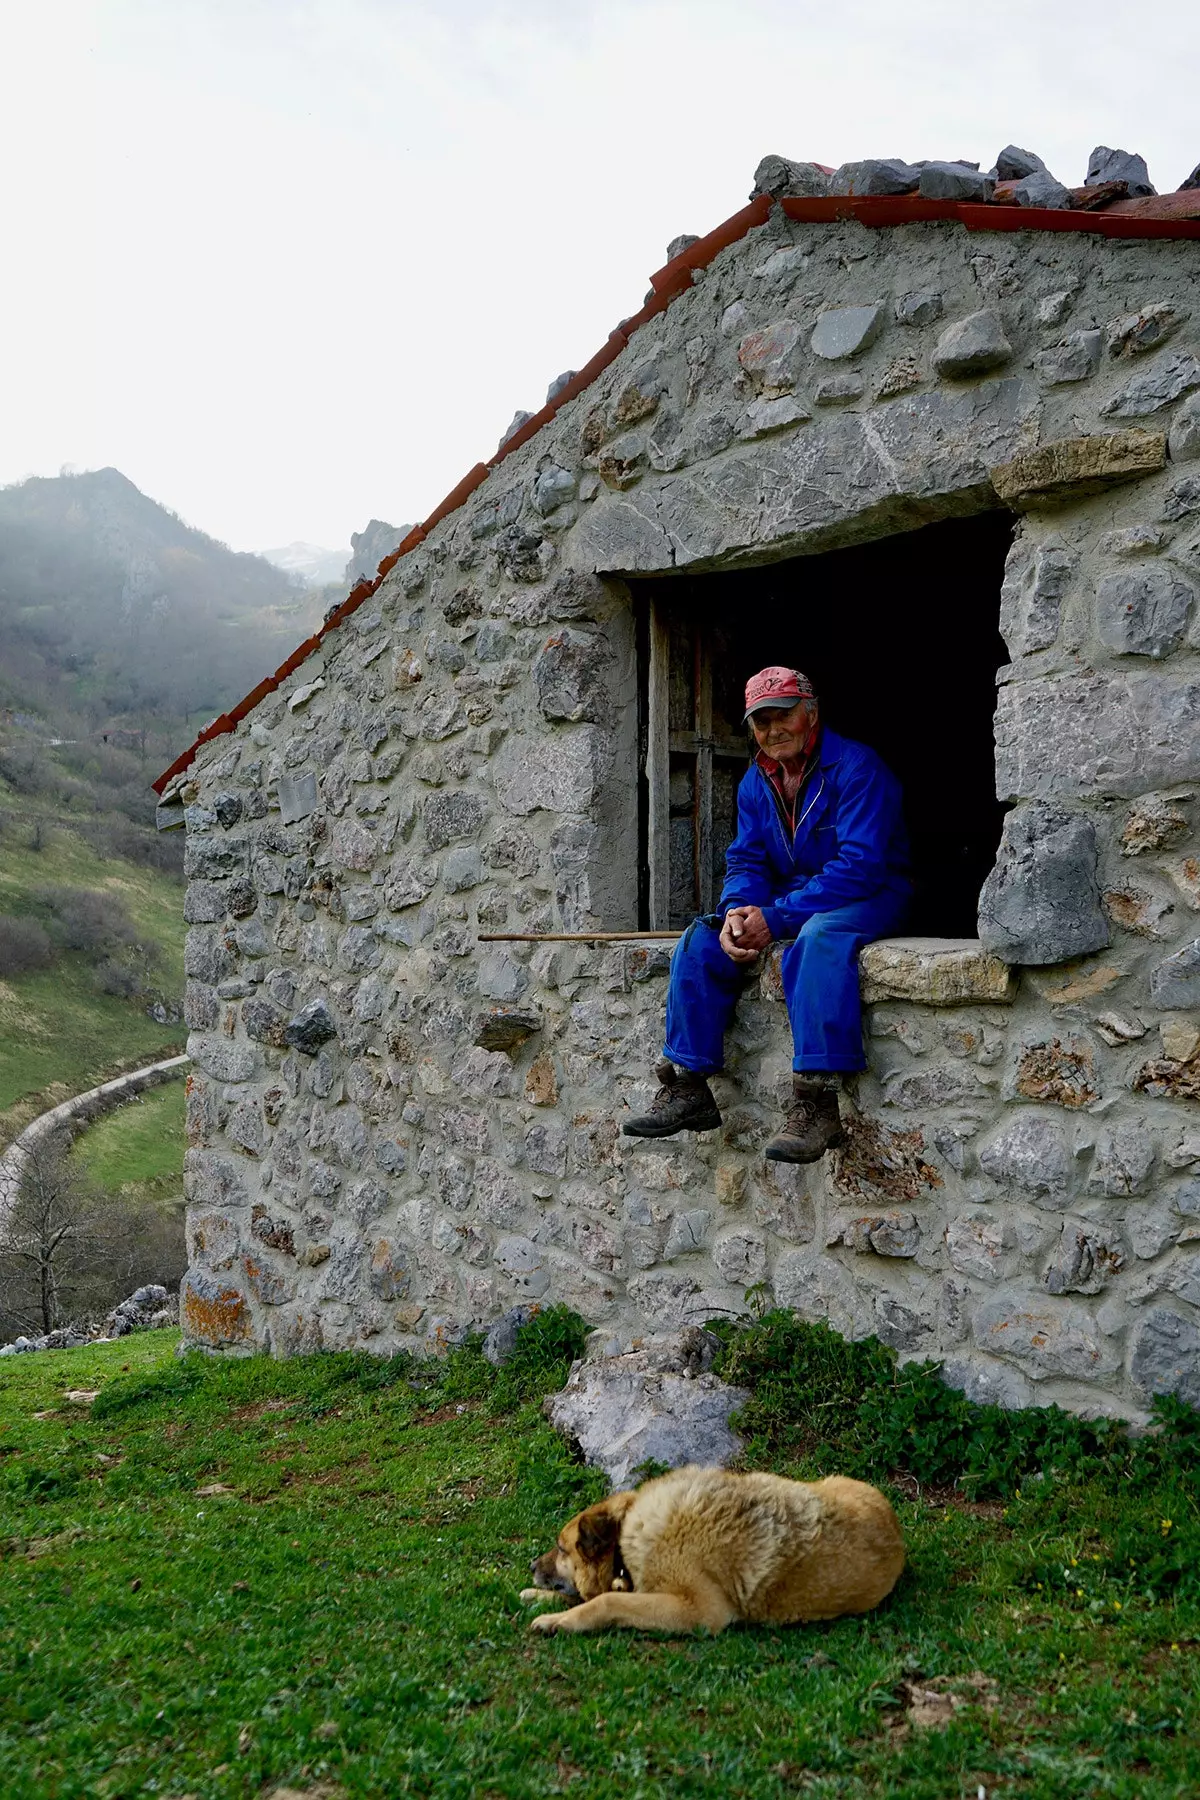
x,y
345,1617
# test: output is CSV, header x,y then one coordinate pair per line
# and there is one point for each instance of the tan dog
x,y
703,1548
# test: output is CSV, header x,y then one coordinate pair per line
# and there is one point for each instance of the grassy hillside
x,y
136,1153
59,1032
228,1576
114,613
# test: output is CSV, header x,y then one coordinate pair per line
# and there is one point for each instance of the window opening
x,y
902,640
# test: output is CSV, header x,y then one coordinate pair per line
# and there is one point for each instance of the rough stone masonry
x,y
396,1130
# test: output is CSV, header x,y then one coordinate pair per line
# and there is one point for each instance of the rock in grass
x,y
660,1404
502,1335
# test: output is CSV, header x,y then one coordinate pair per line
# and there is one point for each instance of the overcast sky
x,y
289,264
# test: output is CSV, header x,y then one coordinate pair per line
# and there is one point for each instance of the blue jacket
x,y
850,841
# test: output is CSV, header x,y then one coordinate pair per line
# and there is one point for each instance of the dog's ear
x,y
598,1528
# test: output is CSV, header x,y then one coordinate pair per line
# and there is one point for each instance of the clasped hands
x,y
744,934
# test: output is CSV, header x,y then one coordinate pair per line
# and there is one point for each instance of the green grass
x,y
58,1034
139,1148
347,1615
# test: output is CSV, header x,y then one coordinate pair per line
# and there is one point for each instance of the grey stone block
x,y
1030,1153
1143,611
877,175
223,1059
1118,165
1183,439
783,179
1076,359
560,382
1096,734
1175,983
1047,1340
1014,164
297,797
1166,1356
923,307
972,346
771,355
1041,902
1147,329
206,956
955,181
1086,1259
846,331
312,1026
1035,581
453,815
1124,1159
461,869
570,675
1171,374
987,1383
1041,189
554,487
838,390
562,772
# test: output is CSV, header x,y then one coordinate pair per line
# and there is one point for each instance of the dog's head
x,y
581,1564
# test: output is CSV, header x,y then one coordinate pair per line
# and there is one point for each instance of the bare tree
x,y
40,1238
69,1252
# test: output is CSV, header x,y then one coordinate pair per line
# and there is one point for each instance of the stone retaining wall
x,y
376,1158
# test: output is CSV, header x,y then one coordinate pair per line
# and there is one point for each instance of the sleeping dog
x,y
701,1548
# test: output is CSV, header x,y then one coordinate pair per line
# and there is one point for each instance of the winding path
x,y
108,1095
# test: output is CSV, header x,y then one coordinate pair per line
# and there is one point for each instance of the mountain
x,y
376,540
114,613
311,564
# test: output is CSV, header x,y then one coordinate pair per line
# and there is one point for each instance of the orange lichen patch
x,y
1167,1080
1079,981
1059,1073
218,1317
877,1160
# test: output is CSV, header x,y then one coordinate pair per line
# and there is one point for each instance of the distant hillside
x,y
114,613
312,565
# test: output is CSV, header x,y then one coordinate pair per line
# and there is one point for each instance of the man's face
x,y
783,734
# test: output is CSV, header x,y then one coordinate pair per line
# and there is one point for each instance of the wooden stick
x,y
570,937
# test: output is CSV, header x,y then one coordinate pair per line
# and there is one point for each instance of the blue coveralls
x,y
839,884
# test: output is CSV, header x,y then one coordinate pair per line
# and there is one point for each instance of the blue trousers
x,y
820,985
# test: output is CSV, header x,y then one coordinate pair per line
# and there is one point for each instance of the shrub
x,y
819,1401
87,918
23,946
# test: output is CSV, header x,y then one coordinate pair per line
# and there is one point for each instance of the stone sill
x,y
934,972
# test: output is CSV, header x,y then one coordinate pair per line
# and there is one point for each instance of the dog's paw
x,y
547,1622
529,1595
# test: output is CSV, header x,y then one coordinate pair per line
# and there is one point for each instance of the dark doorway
x,y
901,639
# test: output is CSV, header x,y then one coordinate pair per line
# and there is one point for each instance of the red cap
x,y
776,686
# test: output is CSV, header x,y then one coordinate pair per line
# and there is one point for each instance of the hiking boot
x,y
812,1126
683,1102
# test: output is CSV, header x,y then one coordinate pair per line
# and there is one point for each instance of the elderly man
x,y
820,858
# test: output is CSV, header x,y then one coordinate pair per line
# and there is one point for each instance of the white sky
x,y
289,264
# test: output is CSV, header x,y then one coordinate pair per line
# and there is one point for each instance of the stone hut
x,y
933,436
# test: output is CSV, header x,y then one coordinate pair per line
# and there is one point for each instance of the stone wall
x,y
396,1129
